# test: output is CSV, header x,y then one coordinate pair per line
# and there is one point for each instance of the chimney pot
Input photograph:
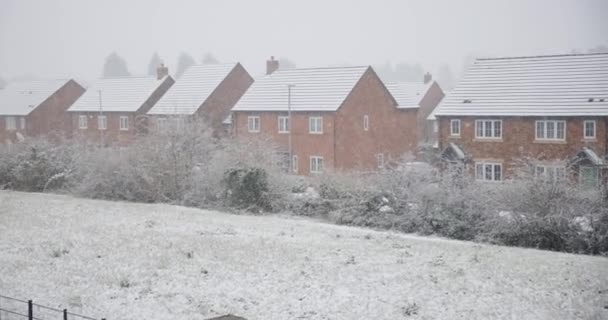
x,y
427,78
272,65
161,71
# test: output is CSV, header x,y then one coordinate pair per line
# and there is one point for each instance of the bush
x,y
247,189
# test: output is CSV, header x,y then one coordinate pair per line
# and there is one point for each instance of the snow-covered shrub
x,y
247,188
36,165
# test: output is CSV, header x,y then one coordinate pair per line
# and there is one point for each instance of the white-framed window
x,y
366,122
22,123
380,160
294,163
488,129
435,126
455,127
161,124
488,171
589,128
283,124
83,122
316,164
124,123
551,130
315,125
102,122
253,123
550,172
10,123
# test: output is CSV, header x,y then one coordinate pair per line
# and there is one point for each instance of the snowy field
x,y
136,261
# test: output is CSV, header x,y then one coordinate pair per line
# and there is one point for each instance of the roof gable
x,y
408,94
19,98
192,89
317,89
562,85
117,94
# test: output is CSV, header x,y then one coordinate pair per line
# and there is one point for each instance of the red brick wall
x,y
392,132
344,144
217,106
518,139
304,144
49,117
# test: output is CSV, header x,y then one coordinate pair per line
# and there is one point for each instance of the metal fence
x,y
17,309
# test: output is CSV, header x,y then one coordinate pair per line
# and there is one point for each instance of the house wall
x,y
344,144
425,131
304,144
392,132
138,121
49,117
217,106
518,140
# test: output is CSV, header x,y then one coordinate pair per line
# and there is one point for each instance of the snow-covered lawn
x,y
136,261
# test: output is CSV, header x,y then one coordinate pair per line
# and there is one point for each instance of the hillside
x,y
137,261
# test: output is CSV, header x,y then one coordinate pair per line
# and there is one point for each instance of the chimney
x,y
272,65
427,78
162,71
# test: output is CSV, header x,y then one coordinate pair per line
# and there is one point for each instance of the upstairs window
x,y
124,123
366,122
102,122
455,127
22,122
253,124
488,171
161,123
11,123
589,128
83,122
488,129
551,130
283,124
315,125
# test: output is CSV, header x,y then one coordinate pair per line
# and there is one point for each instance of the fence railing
x,y
18,309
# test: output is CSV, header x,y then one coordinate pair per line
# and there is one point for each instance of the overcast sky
x,y
63,38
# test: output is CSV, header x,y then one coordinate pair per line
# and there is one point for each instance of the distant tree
x,y
286,64
599,49
115,67
445,77
209,58
401,72
184,62
154,63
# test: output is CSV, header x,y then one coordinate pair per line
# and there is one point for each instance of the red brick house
x,y
205,91
340,118
113,111
550,109
424,96
36,108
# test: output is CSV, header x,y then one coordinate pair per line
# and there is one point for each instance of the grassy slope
x,y
273,267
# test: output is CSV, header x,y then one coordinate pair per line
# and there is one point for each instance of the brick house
x,y
113,110
206,91
341,118
425,96
36,108
550,110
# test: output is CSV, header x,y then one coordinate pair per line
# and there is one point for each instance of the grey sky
x,y
63,38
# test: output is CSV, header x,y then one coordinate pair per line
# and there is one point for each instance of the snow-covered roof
x,y
316,89
192,89
19,98
408,94
558,85
592,156
117,94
